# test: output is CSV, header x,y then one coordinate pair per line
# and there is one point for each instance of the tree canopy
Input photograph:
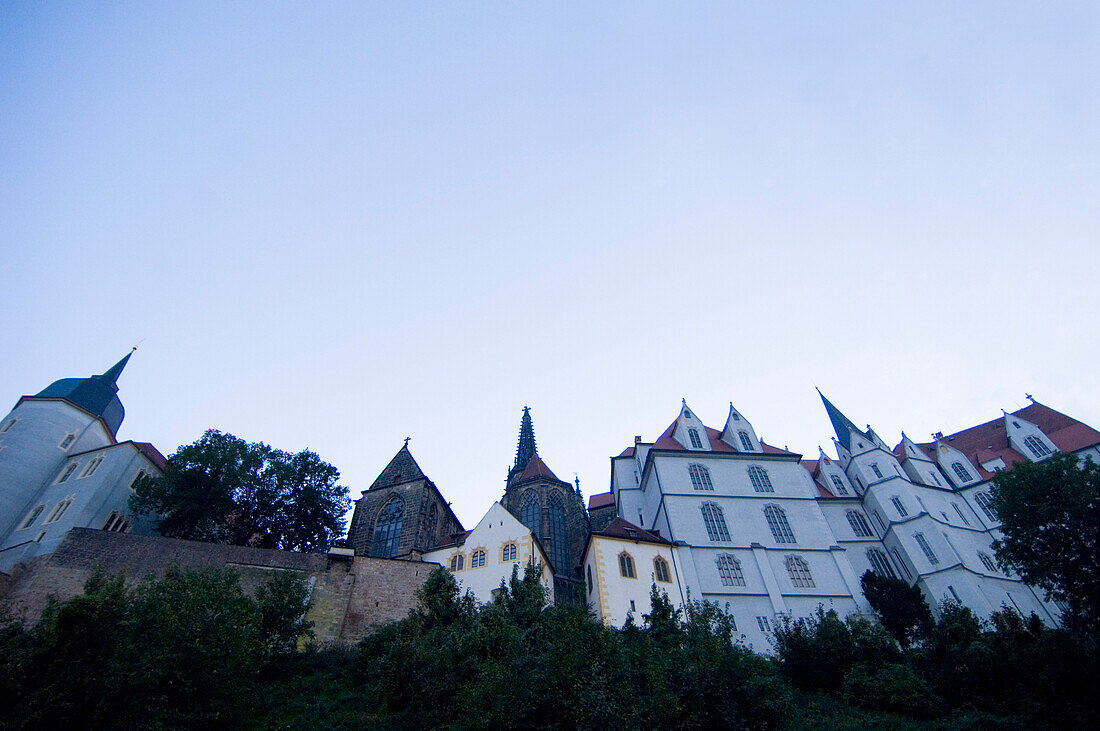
x,y
226,490
1050,518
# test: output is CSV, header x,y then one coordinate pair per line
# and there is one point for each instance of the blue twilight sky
x,y
334,225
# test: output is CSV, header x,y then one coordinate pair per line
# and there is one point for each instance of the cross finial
x,y
1029,397
407,441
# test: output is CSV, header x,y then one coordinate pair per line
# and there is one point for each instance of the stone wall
x,y
427,520
349,596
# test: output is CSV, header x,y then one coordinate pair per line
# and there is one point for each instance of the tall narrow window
x,y
458,563
589,578
962,515
839,485
387,529
530,514
59,510
746,441
116,523
799,572
626,565
901,564
985,502
899,506
935,479
987,561
700,477
67,472
31,517
91,468
1038,447
961,472
859,524
559,544
763,624
477,559
715,522
7,425
760,480
729,570
928,552
693,435
880,564
876,470
137,478
777,522
508,553
660,570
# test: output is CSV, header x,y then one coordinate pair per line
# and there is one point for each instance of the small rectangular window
x,y
67,441
954,594
632,605
876,470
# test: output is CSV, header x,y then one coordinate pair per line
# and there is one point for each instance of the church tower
x,y
551,508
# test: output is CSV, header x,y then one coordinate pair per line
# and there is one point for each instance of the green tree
x,y
901,608
224,489
1050,518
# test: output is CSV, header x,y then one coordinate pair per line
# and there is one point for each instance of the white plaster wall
x,y
613,593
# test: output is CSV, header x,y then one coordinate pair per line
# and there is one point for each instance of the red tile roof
x,y
153,454
537,468
620,528
602,500
667,441
628,452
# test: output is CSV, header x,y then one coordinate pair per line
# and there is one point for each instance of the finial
x,y
1029,397
407,441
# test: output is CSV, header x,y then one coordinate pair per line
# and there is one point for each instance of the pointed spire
x,y
842,425
112,373
526,447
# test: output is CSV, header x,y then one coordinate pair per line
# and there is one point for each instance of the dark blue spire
x,y
98,395
526,447
842,425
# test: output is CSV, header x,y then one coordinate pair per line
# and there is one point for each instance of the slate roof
x,y
602,500
619,528
98,395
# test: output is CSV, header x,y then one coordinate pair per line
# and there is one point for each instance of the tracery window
x,y
880,564
626,565
839,485
928,552
387,529
715,521
777,522
729,570
559,545
859,524
961,472
1038,447
758,476
985,502
660,570
530,513
693,435
799,571
700,477
746,442
899,506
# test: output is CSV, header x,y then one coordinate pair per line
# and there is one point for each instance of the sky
x,y
336,225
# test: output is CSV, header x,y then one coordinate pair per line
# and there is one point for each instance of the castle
x,y
702,513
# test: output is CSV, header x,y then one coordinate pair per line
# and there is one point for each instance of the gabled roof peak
x,y
401,469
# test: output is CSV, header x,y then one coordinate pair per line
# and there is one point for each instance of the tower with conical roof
x,y
552,508
62,466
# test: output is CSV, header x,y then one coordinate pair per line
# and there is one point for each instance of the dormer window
x,y
961,472
693,435
839,485
746,442
687,414
1038,447
1016,424
734,416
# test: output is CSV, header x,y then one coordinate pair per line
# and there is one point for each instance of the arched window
x,y
1038,447
477,559
559,545
715,522
987,561
387,529
31,517
758,476
508,553
729,570
67,472
880,564
924,546
530,513
58,511
961,471
899,506
839,485
901,564
693,435
777,522
746,442
799,572
962,515
457,562
985,502
433,521
859,524
660,570
626,565
700,477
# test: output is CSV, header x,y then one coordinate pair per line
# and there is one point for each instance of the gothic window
x,y
92,467
137,479
928,552
530,514
67,441
777,522
387,529
961,472
700,477
758,476
859,524
734,416
477,559
899,506
936,479
67,472
559,546
876,470
508,553
1038,447
746,442
987,561
985,502
59,510
763,624
839,485
626,565
901,564
880,564
715,522
116,523
457,562
31,517
962,515
660,570
693,435
729,570
799,572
